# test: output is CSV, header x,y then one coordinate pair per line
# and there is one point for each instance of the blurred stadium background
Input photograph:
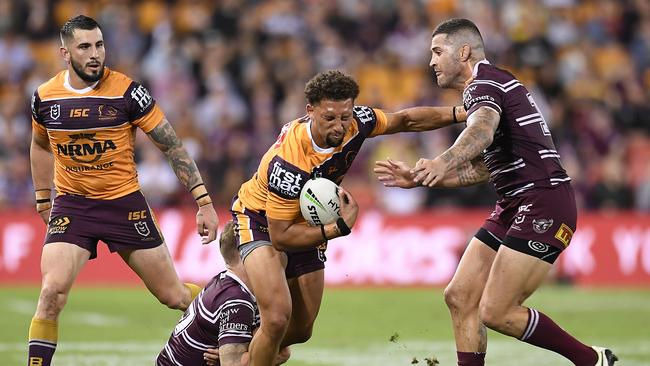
x,y
229,73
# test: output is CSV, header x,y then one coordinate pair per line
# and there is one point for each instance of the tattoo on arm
x,y
478,135
472,172
164,137
230,354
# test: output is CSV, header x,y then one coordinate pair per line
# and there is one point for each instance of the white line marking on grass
x,y
19,306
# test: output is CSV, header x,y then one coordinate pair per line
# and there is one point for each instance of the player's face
x,y
445,62
86,54
330,121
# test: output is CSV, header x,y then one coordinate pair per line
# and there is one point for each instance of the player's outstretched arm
x,y
393,173
287,234
231,354
164,137
42,164
478,135
423,119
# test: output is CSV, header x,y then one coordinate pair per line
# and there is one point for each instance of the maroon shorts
x,y
539,222
252,231
125,223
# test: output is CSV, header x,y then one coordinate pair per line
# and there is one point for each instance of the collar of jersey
x,y
66,84
234,277
475,70
317,148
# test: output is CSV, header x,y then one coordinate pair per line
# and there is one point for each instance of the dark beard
x,y
331,142
90,78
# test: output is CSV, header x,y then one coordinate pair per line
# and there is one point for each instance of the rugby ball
x,y
319,201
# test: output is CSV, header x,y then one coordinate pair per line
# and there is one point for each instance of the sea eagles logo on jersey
x,y
542,225
285,179
55,111
142,228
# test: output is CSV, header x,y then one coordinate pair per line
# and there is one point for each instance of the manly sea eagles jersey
x,y
224,312
92,132
522,155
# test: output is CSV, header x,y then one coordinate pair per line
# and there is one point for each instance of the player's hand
x,y
207,223
283,356
349,207
429,172
211,356
394,174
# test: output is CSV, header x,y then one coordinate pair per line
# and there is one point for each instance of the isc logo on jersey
x,y
285,179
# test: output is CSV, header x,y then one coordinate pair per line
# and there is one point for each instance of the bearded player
x,y
284,257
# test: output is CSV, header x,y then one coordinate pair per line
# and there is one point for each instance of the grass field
x,y
126,327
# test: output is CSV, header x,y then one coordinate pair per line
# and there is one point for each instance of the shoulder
x,y
117,83
52,86
490,76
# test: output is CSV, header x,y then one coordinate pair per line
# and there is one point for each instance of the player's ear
x,y
310,108
464,52
64,53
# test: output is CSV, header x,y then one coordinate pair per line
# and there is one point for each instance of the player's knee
x,y
173,299
276,322
51,301
491,316
455,298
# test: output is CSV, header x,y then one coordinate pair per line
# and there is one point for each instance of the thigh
x,y
306,296
61,263
154,266
265,271
127,223
513,278
473,271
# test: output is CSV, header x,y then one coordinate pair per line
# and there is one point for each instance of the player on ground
x,y
84,123
284,257
223,317
508,142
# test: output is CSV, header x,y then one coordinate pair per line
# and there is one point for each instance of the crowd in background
x,y
229,73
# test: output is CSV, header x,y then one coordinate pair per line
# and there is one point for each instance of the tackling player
x,y
284,257
223,316
83,130
508,142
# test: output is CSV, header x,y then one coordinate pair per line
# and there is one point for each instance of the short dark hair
x,y
331,85
455,25
228,244
78,22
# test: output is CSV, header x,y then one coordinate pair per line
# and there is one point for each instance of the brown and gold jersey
x,y
275,188
92,132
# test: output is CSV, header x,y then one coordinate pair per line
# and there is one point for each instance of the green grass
x,y
109,326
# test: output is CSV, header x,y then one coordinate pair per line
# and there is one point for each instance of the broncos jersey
x,y
275,188
92,132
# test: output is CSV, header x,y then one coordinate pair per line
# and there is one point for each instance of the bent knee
x,y
177,300
492,316
457,298
276,322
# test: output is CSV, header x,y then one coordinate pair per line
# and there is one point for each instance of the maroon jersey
x,y
224,312
522,155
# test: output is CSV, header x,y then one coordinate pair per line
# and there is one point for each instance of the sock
x,y
194,290
42,341
470,358
542,332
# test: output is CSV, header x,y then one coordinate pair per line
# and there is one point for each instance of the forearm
x,y
427,118
471,142
303,236
467,174
231,354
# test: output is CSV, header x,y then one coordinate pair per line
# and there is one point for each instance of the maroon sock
x,y
40,353
470,358
542,332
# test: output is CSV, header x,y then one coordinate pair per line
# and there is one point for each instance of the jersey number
x,y
545,130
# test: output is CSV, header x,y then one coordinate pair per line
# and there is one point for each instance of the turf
x,y
109,326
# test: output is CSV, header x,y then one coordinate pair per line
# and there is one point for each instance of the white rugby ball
x,y
319,201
